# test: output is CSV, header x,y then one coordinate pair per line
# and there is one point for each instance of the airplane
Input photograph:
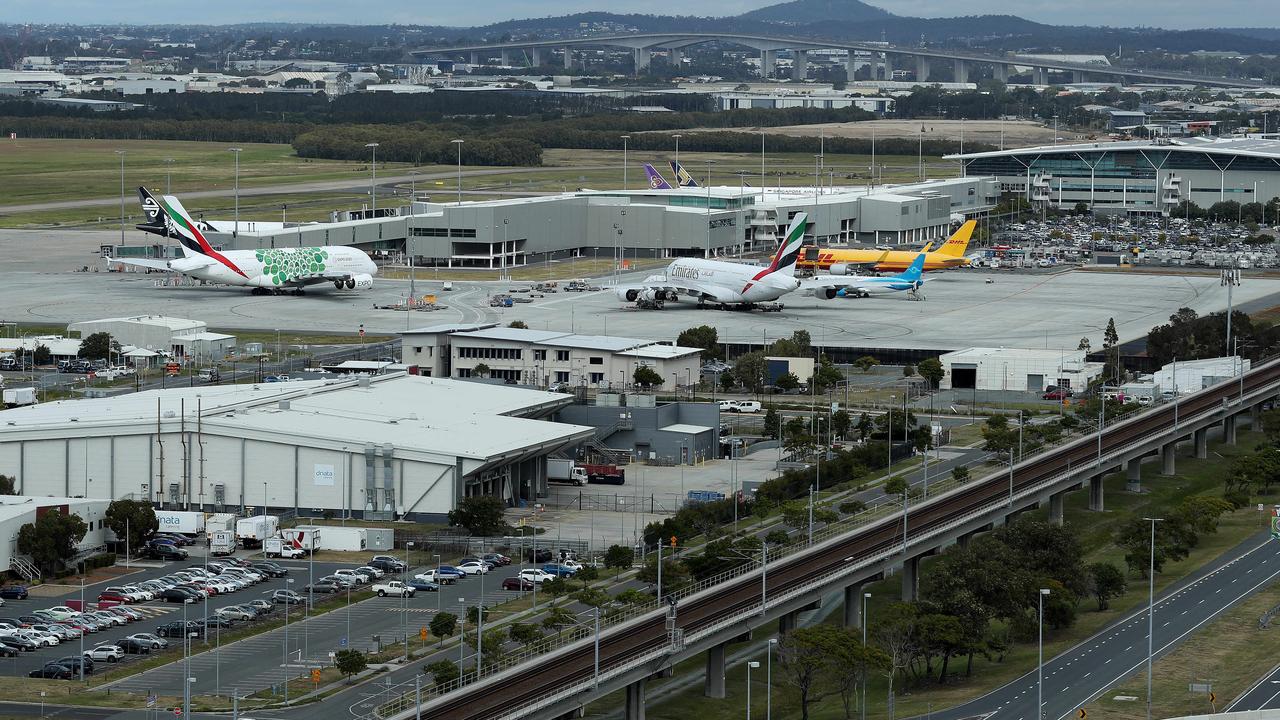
x,y
841,262
656,181
683,178
724,283
267,271
827,287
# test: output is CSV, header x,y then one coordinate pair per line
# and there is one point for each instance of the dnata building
x,y
381,448
1142,177
649,223
545,358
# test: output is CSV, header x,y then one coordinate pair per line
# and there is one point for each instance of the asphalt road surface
x,y
1264,695
1074,678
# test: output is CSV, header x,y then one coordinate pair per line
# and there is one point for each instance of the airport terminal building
x,y
684,222
1142,177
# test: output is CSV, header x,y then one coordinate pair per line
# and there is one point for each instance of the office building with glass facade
x,y
1138,177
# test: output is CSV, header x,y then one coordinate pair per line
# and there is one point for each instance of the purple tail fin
x,y
656,181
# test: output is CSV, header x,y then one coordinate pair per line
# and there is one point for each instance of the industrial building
x,y
641,429
181,337
1142,177
19,510
394,446
699,222
1016,369
1190,376
545,358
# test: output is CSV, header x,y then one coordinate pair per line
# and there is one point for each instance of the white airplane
x,y
267,271
724,283
828,287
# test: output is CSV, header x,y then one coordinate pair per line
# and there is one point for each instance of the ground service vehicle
x,y
308,539
253,531
223,542
605,474
565,471
278,547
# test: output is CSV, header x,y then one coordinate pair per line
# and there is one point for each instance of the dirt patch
x,y
72,583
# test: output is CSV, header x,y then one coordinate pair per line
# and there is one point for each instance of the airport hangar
x,y
697,222
1147,177
394,446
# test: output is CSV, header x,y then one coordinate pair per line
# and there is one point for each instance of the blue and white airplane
x,y
828,287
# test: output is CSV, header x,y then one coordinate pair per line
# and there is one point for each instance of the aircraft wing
x,y
149,264
179,265
664,288
332,276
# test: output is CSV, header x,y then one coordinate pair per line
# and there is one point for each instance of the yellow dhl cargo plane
x,y
840,261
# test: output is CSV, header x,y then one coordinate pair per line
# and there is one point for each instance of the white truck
x,y
393,587
565,471
180,521
277,547
219,522
252,531
222,542
19,396
303,538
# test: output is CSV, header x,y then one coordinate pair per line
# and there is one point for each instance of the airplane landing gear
x,y
260,291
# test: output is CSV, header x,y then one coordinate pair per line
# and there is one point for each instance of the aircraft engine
x,y
826,293
628,294
360,282
671,295
841,269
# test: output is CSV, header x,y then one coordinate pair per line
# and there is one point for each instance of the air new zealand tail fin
x,y
656,181
156,222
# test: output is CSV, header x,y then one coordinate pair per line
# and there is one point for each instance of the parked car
x,y
180,595
442,577
155,642
496,558
262,606
114,596
558,570
342,581
393,587
287,597
387,563
474,567
517,583
270,569
322,586
129,646
53,671
1057,394
536,575
7,650
373,572
423,585
178,630
60,612
233,613
108,653
354,575
13,592
74,663
166,552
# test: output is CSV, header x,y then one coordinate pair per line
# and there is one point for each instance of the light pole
x,y
459,143
404,599
625,139
752,664
373,177
866,597
768,678
236,151
121,153
284,646
1151,606
438,583
1040,653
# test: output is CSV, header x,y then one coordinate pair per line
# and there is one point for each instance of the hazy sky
x,y
1167,13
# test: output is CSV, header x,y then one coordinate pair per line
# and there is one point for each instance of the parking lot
x,y
262,660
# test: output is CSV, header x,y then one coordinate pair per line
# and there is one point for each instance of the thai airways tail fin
x,y
683,178
959,240
154,214
784,260
656,181
916,269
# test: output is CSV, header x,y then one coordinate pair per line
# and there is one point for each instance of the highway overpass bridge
x,y
921,60
650,641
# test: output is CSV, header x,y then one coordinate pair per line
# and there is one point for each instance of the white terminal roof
x,y
984,353
1264,147
552,338
435,418
164,321
661,352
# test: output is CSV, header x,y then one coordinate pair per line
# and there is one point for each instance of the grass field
x,y
37,170
1096,531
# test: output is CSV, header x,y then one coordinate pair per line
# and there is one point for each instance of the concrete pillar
x,y
536,56
676,56
1255,417
1201,438
911,579
1167,458
568,58
963,540
1229,430
961,71
768,61
1077,76
853,605
475,58
851,66
799,65
506,58
786,623
1041,76
1133,475
1000,72
1095,494
641,57
635,699
715,672
888,66
1055,508
922,68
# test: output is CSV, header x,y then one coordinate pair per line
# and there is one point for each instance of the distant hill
x,y
804,12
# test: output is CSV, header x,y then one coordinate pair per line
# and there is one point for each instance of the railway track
x,y
514,693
